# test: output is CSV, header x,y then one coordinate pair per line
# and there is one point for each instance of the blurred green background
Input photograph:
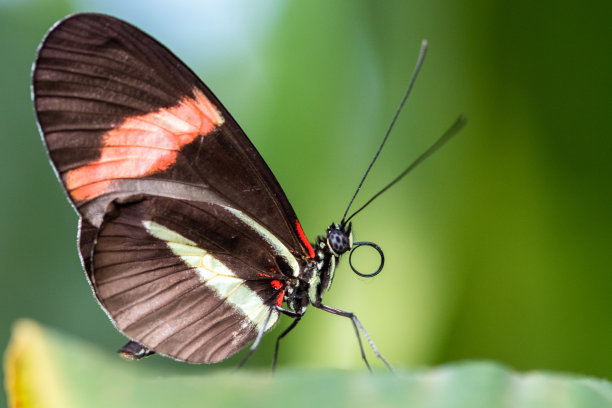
x,y
498,247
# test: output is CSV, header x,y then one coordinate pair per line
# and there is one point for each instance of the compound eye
x,y
338,241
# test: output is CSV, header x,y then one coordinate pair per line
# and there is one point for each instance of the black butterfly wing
x,y
122,116
133,134
187,279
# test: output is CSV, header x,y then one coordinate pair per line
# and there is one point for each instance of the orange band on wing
x,y
144,145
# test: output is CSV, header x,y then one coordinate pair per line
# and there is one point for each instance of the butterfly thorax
x,y
317,274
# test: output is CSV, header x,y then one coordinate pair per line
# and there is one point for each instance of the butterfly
x,y
187,239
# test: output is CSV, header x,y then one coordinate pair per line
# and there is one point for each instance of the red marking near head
x,y
303,238
265,275
279,299
276,284
143,145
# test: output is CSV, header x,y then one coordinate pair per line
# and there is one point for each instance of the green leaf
x,y
45,368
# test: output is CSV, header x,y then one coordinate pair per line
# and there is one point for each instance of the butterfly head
x,y
339,238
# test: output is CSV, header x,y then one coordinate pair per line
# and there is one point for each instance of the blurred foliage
x,y
498,247
49,369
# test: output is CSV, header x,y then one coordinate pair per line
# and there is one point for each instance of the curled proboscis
x,y
380,252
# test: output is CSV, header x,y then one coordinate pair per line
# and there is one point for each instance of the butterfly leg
x,y
257,340
358,328
294,323
263,329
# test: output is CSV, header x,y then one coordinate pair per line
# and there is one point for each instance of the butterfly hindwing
x,y
186,279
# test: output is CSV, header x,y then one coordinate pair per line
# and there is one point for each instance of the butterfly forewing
x,y
121,116
185,234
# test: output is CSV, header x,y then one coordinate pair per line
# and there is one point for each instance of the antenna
x,y
452,131
417,68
